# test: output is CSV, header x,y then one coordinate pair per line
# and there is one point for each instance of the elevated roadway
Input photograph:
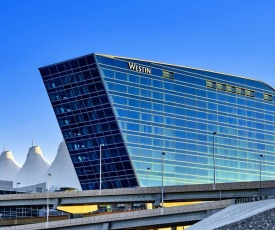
x,y
236,213
202,192
145,219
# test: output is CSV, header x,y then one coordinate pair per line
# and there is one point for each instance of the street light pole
x,y
100,169
162,169
48,192
148,168
214,163
261,155
17,185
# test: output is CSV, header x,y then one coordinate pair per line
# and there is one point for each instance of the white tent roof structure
x,y
8,166
62,170
33,169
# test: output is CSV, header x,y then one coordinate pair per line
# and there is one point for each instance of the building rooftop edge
x,y
162,63
211,71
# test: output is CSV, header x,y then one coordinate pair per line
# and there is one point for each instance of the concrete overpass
x,y
202,192
145,219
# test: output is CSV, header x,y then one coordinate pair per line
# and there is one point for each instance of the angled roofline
x,y
161,63
211,71
67,60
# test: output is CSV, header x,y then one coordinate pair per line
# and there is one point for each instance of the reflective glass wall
x,y
87,122
194,117
140,110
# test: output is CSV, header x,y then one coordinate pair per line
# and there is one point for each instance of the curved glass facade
x,y
140,109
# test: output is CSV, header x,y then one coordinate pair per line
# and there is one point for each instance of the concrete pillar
x,y
56,203
106,226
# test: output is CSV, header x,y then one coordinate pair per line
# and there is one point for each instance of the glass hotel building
x,y
136,110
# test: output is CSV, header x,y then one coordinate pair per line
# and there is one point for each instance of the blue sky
x,y
235,37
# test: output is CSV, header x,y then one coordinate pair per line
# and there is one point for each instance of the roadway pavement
x,y
145,219
233,214
202,192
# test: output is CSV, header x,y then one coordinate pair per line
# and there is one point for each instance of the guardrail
x,y
252,199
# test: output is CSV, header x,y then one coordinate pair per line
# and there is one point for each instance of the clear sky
x,y
235,37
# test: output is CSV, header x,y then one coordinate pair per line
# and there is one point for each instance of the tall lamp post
x,y
48,192
100,167
214,163
17,186
261,156
148,168
162,169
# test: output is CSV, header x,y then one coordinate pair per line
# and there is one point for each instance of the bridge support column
x,y
157,201
106,226
56,202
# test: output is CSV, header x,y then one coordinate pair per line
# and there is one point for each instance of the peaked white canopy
x,y
33,169
8,166
62,170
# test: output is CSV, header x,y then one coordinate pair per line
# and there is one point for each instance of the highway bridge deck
x,y
202,192
160,217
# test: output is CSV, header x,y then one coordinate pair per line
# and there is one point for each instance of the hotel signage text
x,y
139,68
